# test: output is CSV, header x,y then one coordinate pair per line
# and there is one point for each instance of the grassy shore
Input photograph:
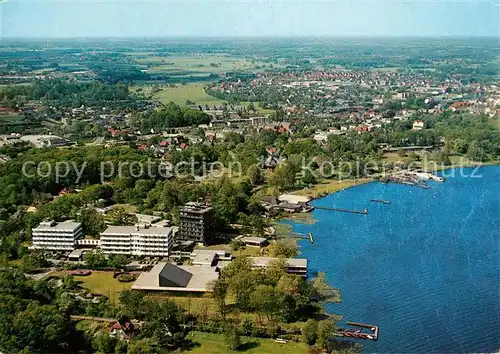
x,y
330,186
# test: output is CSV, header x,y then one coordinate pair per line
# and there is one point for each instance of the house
x,y
254,241
273,158
123,329
320,136
418,125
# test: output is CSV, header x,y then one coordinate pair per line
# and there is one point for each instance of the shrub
x,y
310,332
125,278
232,337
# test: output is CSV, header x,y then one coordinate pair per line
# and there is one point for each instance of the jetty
x,y
364,212
408,180
367,331
381,201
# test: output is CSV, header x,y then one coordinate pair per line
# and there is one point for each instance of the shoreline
x,y
290,219
318,191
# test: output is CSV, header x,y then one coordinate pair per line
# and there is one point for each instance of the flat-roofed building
x,y
258,121
254,241
170,277
196,222
137,240
56,236
296,266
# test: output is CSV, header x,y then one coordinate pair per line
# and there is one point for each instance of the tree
x,y
321,291
118,261
41,328
254,174
283,248
264,300
92,222
232,337
218,290
118,216
475,152
132,304
95,259
163,324
325,331
309,177
141,346
104,343
310,332
283,176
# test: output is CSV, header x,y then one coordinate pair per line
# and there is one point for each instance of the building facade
x,y
297,266
137,240
56,236
196,223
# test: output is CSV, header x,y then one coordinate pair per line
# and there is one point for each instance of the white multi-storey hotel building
x,y
137,240
56,236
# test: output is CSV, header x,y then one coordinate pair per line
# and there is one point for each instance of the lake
x,y
424,268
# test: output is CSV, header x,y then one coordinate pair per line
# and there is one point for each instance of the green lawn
x,y
330,186
181,93
100,282
11,118
210,343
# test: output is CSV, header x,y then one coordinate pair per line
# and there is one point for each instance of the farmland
x,y
181,93
193,64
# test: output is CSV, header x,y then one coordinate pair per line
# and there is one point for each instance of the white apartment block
x,y
56,236
137,240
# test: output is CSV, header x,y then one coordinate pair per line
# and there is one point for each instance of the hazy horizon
x,y
256,19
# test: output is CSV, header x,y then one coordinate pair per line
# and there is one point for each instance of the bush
x,y
310,332
232,337
125,278
236,244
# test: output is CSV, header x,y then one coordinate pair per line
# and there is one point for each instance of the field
x,y
192,65
11,119
181,93
210,343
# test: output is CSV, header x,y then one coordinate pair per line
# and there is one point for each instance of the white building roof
x,y
69,225
132,230
291,262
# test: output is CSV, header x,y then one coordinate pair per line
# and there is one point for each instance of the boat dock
x,y
364,212
381,201
409,180
372,333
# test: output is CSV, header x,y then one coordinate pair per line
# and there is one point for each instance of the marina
x,y
372,334
384,281
363,212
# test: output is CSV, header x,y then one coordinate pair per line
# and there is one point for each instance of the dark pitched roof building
x,y
173,276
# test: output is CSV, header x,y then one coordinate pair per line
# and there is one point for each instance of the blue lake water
x,y
426,268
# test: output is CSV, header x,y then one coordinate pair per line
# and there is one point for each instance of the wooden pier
x,y
381,201
364,212
359,334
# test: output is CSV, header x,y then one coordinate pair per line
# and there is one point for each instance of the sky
x,y
221,18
